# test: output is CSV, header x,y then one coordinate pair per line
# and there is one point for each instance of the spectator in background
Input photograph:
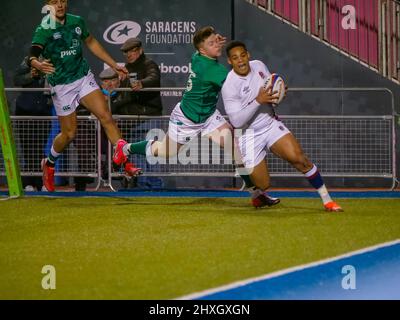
x,y
33,139
142,73
109,81
147,76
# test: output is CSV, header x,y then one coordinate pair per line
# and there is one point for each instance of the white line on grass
x,y
237,284
10,198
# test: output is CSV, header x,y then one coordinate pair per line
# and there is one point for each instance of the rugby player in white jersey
x,y
249,107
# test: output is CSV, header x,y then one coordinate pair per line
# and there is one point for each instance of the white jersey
x,y
239,95
261,129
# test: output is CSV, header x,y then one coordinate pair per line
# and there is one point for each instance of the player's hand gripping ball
x,y
278,86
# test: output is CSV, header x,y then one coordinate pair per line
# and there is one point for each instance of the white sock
x,y
323,192
54,153
125,149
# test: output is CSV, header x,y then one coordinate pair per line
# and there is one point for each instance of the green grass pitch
x,y
163,248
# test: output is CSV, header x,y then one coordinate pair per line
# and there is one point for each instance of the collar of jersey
x,y
58,24
206,58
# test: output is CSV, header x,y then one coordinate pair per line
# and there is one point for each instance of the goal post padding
x,y
8,146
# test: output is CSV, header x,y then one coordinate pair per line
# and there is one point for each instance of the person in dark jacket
x,y
143,73
30,103
32,140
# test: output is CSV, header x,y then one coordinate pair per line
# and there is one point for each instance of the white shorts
x,y
66,97
182,130
253,144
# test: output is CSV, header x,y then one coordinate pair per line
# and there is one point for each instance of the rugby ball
x,y
278,85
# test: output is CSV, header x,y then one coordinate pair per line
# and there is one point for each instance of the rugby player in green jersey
x,y
197,112
58,39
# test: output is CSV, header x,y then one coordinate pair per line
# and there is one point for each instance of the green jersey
x,y
63,47
200,98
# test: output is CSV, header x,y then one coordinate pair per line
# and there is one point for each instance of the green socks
x,y
138,147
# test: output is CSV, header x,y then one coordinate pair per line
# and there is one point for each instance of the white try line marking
x,y
237,284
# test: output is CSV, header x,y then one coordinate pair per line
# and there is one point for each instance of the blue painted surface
x,y
377,277
216,194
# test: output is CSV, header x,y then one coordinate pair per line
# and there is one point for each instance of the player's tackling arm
x,y
103,55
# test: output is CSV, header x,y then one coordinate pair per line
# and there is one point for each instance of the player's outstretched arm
x,y
103,55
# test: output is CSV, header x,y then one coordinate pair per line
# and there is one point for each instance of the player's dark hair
x,y
47,1
201,35
234,44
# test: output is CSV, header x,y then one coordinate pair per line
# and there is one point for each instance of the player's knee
x,y
106,119
224,137
69,134
301,163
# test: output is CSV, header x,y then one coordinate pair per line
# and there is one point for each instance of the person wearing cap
x,y
143,73
109,81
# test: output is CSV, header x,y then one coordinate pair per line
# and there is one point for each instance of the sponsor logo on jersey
x,y
246,90
57,36
75,43
68,53
78,30
121,31
262,75
66,108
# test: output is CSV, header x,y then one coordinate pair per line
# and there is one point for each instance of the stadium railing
x,y
370,35
361,146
